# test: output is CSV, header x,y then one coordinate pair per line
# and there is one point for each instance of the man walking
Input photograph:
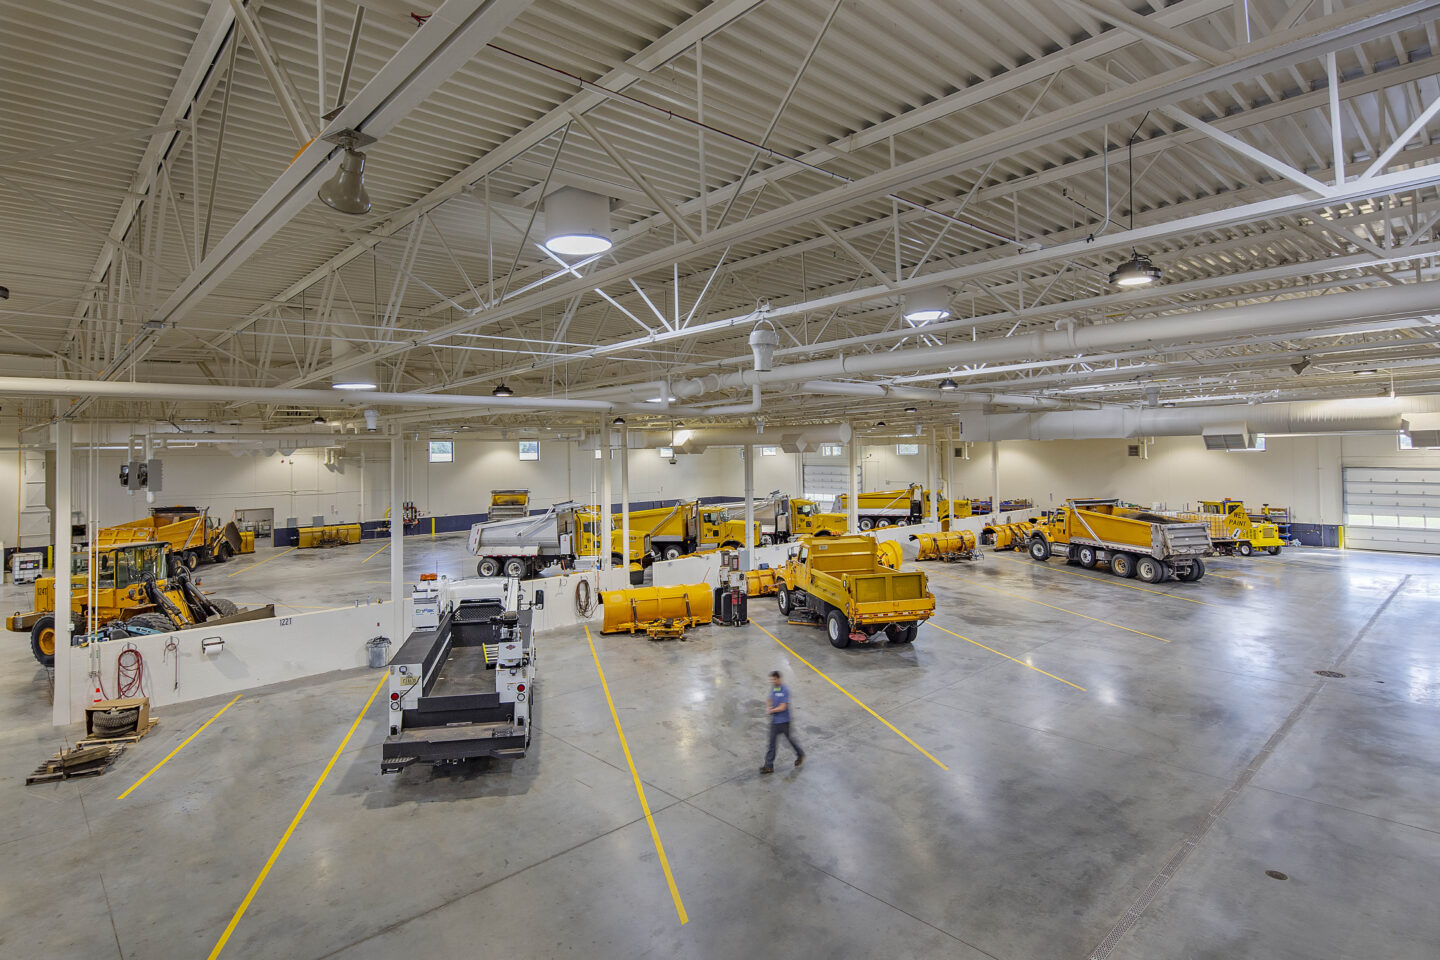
x,y
779,711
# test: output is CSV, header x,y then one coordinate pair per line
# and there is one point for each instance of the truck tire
x,y
114,722
515,568
1149,570
782,597
227,608
1197,570
1244,548
42,640
902,632
866,523
1039,549
1273,551
1085,556
192,559
617,561
672,552
837,628
488,567
912,632
766,540
1122,564
881,524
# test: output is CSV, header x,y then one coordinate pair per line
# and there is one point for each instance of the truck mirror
x,y
539,602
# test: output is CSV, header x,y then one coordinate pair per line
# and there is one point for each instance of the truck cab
x,y
808,520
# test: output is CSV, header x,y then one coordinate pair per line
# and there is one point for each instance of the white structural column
x,y
932,479
607,518
950,467
63,653
625,499
852,482
995,479
749,507
397,540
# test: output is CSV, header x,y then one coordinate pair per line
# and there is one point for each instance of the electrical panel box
x,y
154,475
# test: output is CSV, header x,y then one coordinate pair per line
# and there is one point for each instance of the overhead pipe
x,y
792,439
1362,414
1395,302
879,391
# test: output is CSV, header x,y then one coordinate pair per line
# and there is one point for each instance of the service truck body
x,y
842,583
1134,543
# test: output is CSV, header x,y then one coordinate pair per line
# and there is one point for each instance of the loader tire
x,y
1039,549
223,552
1122,564
158,622
837,628
227,608
42,641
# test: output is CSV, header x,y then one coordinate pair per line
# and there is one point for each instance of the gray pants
x,y
781,730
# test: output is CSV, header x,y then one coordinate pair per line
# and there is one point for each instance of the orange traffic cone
x,y
98,697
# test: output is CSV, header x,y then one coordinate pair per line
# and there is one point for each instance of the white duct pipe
x,y
1380,414
1406,301
834,388
693,441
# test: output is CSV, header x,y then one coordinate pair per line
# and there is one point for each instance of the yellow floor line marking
x,y
851,696
1073,613
1007,656
1120,582
261,562
639,788
374,555
275,854
172,753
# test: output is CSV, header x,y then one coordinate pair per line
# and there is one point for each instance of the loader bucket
x,y
628,611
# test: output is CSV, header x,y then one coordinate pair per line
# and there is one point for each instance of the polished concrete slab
x,y
1085,736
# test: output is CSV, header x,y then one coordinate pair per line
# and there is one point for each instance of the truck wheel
x,y
616,560
837,627
1244,548
488,567
866,523
902,632
766,540
1197,570
782,597
672,552
1273,551
515,568
1040,549
911,633
42,640
1085,556
1122,564
1149,570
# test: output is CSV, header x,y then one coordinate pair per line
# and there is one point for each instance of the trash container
x,y
375,647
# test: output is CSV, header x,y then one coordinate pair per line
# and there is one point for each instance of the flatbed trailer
x,y
465,688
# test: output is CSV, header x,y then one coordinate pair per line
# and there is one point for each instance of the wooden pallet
x,y
77,762
126,738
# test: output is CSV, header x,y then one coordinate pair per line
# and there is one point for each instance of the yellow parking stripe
x,y
261,562
172,753
1073,613
639,788
932,623
375,554
851,696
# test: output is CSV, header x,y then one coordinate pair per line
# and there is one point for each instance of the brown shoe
x,y
767,769
800,759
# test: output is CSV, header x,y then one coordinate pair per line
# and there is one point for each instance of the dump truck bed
x,y
1112,527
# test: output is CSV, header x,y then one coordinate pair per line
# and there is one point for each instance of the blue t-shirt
x,y
780,696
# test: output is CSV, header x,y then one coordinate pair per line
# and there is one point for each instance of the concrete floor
x,y
1177,776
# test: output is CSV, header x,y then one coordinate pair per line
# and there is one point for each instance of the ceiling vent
x,y
1227,436
1423,429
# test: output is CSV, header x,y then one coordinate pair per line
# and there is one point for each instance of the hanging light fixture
x,y
927,305
880,424
910,410
1138,271
618,422
356,376
948,384
345,191
577,223
502,391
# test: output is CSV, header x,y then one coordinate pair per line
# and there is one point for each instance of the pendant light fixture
x,y
502,391
345,192
947,384
1138,271
927,305
577,223
355,376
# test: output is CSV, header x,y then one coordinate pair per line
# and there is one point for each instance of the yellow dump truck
x,y
133,588
842,583
783,519
189,533
884,508
1134,543
1234,530
689,527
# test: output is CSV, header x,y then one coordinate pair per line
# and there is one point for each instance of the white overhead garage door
x,y
1392,508
823,482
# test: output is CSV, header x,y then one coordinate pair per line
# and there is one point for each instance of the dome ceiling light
x,y
577,223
